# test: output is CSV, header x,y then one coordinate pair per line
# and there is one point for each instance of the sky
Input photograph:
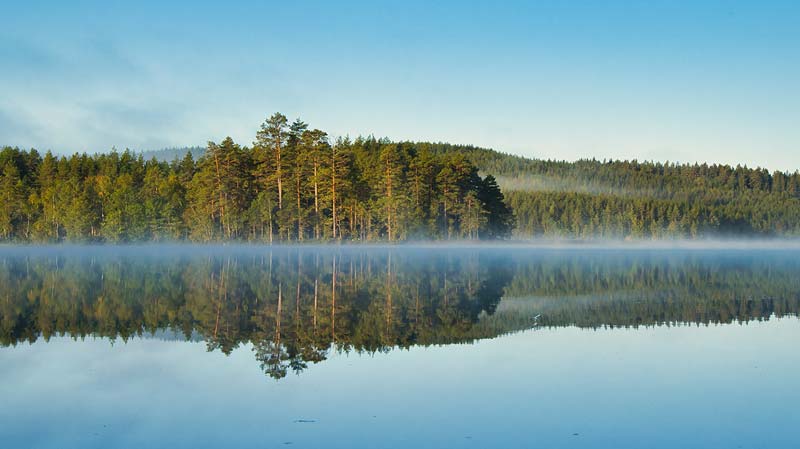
x,y
680,81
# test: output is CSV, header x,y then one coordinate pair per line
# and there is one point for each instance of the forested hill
x,y
170,154
618,199
292,184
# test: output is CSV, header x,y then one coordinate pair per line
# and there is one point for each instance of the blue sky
x,y
656,80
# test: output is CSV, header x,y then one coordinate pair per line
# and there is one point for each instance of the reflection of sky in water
x,y
686,386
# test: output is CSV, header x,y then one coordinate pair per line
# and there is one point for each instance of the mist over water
x,y
339,345
299,303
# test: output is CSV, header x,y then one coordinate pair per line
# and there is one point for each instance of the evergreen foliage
x,y
293,184
632,199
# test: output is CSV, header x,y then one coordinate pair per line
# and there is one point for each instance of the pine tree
x,y
297,158
338,165
11,199
499,217
46,228
314,145
393,166
271,139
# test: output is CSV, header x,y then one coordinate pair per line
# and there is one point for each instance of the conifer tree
x,y
11,200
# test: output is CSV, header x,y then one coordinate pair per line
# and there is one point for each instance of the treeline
x,y
582,215
292,184
633,178
616,199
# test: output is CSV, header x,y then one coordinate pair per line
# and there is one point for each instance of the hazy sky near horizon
x,y
661,80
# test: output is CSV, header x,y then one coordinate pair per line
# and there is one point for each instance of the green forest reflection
x,y
297,305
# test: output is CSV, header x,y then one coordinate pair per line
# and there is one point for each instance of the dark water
x,y
246,347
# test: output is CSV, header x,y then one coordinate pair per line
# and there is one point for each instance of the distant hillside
x,y
170,154
632,199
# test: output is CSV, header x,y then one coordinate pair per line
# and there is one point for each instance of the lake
x,y
398,347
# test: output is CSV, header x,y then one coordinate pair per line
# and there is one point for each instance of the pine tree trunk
x,y
389,201
221,197
299,220
316,203
278,173
333,191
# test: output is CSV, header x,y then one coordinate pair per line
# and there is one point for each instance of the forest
x,y
641,200
292,184
610,199
296,184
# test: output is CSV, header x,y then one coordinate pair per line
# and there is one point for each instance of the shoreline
x,y
511,245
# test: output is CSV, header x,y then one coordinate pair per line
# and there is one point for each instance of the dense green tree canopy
x,y
293,184
621,199
631,199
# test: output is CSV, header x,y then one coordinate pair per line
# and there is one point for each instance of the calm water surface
x,y
248,347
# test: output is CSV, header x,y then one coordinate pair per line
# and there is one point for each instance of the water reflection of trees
x,y
647,289
295,306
